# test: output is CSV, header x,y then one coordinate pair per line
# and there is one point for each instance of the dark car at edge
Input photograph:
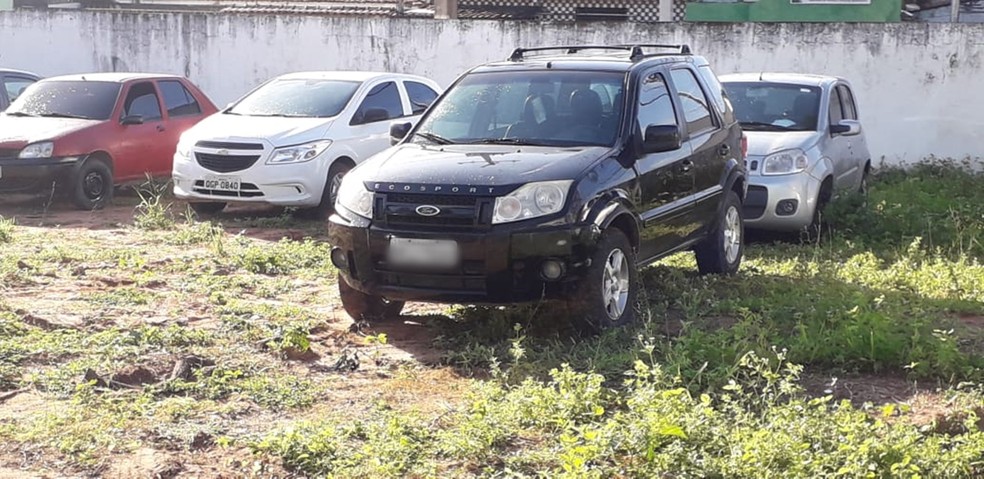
x,y
555,174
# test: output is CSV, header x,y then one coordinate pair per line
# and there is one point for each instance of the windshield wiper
x,y
504,141
64,115
440,140
768,126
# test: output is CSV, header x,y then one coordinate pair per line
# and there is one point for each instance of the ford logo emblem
x,y
428,210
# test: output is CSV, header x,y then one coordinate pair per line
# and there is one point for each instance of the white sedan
x,y
290,141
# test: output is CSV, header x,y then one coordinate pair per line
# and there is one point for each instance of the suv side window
x,y
836,113
421,96
695,106
142,100
717,91
384,96
177,99
655,105
847,100
15,86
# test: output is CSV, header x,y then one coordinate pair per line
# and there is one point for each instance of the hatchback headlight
x,y
184,148
298,153
43,149
531,200
353,196
785,162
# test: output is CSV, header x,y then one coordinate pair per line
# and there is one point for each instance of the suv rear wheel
x,y
366,307
609,290
721,252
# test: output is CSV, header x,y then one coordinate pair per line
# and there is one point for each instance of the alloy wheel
x,y
732,234
615,284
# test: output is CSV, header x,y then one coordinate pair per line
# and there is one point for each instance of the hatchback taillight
x,y
744,145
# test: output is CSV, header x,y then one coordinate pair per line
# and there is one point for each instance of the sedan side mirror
x,y
132,120
660,138
846,128
398,131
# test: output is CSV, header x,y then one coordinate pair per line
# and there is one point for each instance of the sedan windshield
x,y
763,106
548,108
300,98
88,100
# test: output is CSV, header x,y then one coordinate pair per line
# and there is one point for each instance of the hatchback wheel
x,y
207,209
609,290
92,186
721,252
330,193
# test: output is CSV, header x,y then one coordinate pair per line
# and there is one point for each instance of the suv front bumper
x,y
500,264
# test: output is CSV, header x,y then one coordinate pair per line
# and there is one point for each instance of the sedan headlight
x,y
531,200
353,196
785,162
298,153
43,149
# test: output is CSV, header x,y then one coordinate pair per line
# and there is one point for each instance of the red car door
x,y
142,145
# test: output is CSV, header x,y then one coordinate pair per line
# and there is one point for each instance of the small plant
x,y
6,230
153,213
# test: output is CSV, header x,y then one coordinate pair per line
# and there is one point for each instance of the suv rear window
x,y
548,107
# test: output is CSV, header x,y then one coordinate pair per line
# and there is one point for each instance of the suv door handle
x,y
686,165
724,150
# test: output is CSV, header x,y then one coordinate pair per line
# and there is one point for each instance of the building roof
x,y
119,77
805,79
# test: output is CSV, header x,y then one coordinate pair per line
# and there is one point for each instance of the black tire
x,y
324,209
815,229
604,300
722,250
366,307
92,185
207,209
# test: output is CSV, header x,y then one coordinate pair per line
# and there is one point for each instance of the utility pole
x,y
446,9
954,11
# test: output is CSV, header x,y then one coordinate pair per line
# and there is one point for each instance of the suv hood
x,y
19,131
762,143
478,165
275,130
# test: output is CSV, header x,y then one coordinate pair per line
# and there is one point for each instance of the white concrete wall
x,y
919,85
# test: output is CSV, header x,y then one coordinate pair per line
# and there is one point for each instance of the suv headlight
x,y
531,200
785,162
353,196
43,149
298,153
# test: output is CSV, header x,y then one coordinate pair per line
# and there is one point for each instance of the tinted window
x,y
421,96
15,86
655,105
717,91
142,101
836,114
301,98
847,100
695,107
544,107
764,106
384,97
177,99
82,99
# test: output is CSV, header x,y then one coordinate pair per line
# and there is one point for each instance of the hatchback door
x,y
857,147
142,145
667,178
369,126
181,111
838,146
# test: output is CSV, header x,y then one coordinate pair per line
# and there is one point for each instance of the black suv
x,y
552,175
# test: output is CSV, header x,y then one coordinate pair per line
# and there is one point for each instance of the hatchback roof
x,y
111,77
18,72
343,75
806,79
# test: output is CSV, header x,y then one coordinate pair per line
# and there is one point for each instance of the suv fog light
x,y
339,259
786,207
552,270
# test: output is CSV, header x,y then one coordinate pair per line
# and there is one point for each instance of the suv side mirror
x,y
398,131
372,115
660,138
132,120
846,128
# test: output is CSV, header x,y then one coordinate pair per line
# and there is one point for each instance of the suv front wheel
x,y
609,289
721,251
366,307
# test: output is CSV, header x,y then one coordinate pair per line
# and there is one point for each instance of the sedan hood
x,y
277,131
19,131
477,165
762,143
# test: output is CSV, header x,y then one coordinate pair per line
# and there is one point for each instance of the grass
x,y
208,341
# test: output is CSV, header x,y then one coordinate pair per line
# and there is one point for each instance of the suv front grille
x,y
459,212
225,163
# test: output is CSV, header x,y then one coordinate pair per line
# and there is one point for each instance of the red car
x,y
83,134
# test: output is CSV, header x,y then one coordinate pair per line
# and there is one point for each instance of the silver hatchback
x,y
805,145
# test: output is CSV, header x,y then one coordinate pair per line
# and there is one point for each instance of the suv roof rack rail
x,y
635,49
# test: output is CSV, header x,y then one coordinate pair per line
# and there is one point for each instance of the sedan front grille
x,y
225,163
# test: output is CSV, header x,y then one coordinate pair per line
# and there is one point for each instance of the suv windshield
x,y
548,108
300,98
88,100
774,106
